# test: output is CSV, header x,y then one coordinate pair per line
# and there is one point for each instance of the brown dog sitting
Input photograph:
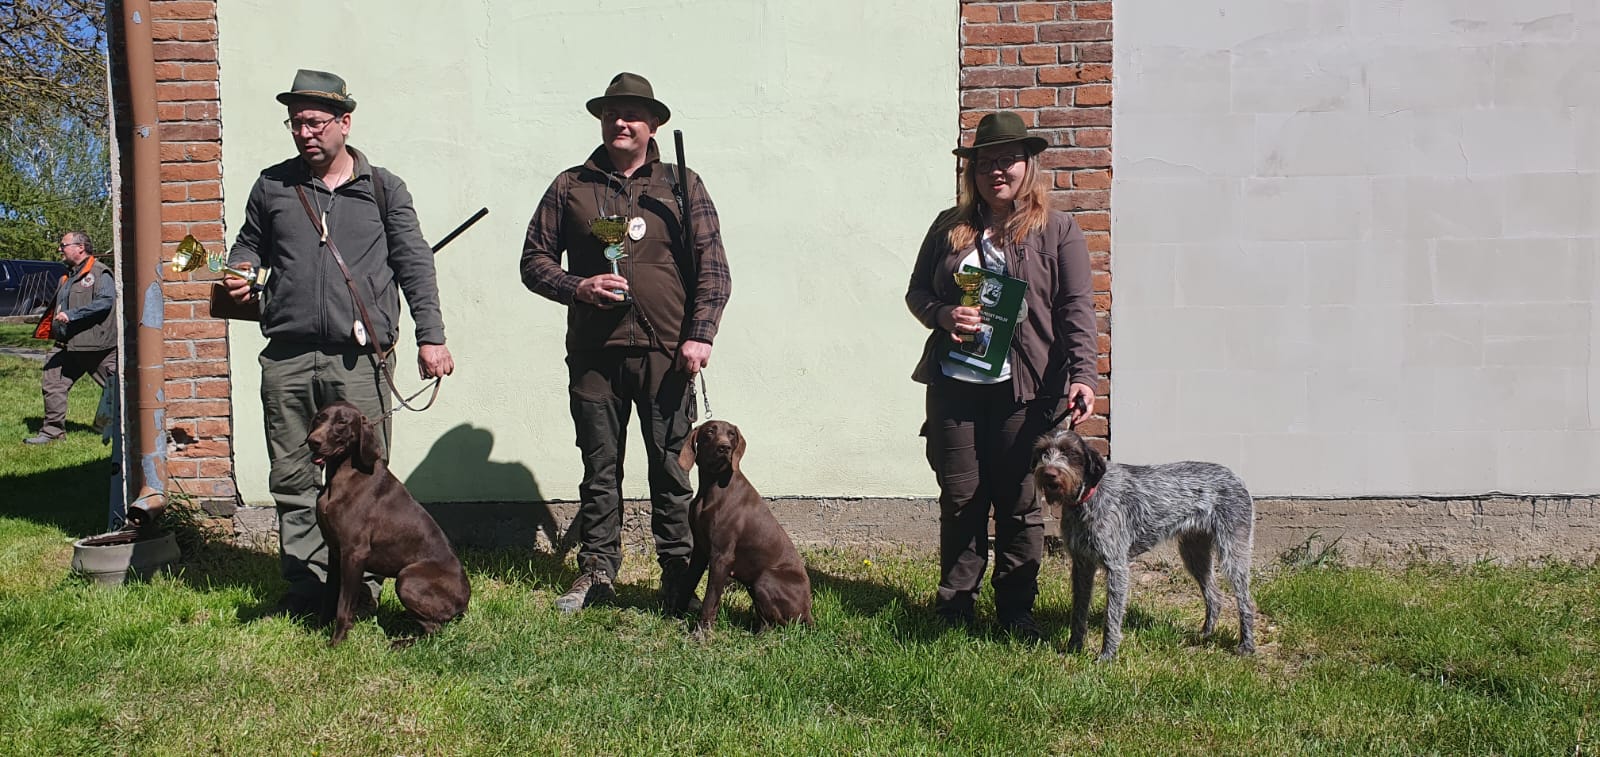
x,y
373,525
736,536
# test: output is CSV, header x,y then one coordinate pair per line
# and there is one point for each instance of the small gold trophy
x,y
191,255
611,230
969,282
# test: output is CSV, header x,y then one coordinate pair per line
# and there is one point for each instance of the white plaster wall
x,y
822,130
1355,242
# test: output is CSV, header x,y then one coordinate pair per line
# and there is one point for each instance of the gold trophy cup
x,y
969,282
191,255
611,229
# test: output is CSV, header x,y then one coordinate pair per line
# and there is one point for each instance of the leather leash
x,y
705,399
382,356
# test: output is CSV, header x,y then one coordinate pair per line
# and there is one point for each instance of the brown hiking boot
x,y
591,588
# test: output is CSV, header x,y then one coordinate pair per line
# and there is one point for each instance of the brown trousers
x,y
62,369
980,445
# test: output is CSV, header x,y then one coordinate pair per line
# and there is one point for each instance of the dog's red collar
x,y
1087,493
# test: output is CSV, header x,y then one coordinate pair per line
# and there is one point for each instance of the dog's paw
x,y
1106,658
403,642
700,635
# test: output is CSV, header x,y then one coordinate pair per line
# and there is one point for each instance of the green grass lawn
x,y
46,483
20,335
1476,660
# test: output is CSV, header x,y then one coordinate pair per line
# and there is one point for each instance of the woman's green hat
x,y
626,86
1000,129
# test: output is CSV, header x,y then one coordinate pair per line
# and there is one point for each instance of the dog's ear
x,y
1094,467
691,448
367,447
738,447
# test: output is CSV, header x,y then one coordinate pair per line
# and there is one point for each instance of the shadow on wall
x,y
467,493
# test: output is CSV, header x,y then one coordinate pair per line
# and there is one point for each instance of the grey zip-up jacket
x,y
306,299
87,296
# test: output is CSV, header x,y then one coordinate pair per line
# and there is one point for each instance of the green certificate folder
x,y
999,302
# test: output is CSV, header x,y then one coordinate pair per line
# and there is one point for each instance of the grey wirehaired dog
x,y
1111,513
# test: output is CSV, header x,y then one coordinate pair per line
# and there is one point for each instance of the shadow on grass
x,y
1057,625
214,564
551,571
74,499
35,422
211,562
537,570
912,617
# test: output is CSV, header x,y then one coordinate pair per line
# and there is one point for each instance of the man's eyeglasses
x,y
998,162
63,247
295,125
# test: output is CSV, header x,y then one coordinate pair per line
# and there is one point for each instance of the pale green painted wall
x,y
822,129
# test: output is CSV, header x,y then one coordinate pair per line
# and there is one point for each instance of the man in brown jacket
x,y
643,309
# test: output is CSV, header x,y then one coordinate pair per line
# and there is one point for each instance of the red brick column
x,y
1050,62
198,387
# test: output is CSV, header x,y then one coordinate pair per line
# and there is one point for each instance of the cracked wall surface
x,y
1356,243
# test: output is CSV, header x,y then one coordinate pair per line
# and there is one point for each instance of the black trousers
x,y
980,445
605,387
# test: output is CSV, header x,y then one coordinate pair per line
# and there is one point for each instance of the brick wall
x,y
1051,63
199,413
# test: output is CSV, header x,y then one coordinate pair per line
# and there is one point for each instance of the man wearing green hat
x,y
642,310
332,227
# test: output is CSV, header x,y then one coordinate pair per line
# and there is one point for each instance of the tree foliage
x,y
54,179
54,162
52,59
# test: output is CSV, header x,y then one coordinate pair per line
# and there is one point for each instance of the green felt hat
x,y
1000,129
626,86
319,87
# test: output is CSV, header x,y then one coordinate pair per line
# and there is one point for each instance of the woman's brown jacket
x,y
1054,345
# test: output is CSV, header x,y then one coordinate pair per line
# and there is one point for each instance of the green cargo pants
x,y
296,381
606,385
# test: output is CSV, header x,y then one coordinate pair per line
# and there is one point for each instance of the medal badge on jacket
x,y
611,230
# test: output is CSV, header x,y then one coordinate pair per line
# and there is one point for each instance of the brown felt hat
x,y
319,87
1000,129
626,86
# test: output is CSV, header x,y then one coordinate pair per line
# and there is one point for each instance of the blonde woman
x,y
981,424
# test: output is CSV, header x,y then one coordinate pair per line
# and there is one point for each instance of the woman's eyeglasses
x,y
998,162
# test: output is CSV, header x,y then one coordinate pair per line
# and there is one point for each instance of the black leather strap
x,y
382,356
